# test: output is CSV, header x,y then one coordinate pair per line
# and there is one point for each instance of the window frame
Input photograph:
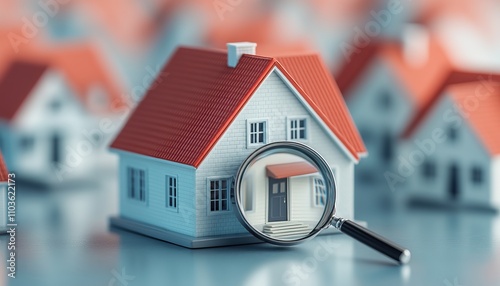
x,y
289,128
228,180
316,194
169,196
26,143
477,170
452,133
131,198
429,169
265,132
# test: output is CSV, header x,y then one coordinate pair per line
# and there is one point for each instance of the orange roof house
x,y
387,84
200,123
461,129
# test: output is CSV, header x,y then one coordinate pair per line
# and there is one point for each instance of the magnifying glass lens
x,y
283,196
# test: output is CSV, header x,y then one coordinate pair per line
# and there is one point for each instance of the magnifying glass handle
x,y
373,240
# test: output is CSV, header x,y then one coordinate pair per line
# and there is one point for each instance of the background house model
x,y
186,139
40,117
461,163
387,85
4,176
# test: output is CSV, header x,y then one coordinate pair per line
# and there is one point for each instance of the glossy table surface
x,y
63,238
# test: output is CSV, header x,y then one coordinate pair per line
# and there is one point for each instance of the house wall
x,y
37,119
373,120
466,152
273,101
154,210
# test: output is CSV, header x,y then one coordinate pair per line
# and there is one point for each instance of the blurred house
x,y
387,84
452,147
384,85
40,120
4,176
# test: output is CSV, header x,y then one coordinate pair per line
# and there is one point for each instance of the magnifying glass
x,y
284,194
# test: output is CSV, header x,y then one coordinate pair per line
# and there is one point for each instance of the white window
x,y
319,192
171,194
219,194
256,132
297,129
136,184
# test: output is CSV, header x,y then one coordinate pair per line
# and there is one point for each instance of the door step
x,y
288,230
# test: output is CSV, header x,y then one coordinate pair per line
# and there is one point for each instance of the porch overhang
x,y
281,171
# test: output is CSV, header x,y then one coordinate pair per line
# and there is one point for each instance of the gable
x,y
49,103
435,127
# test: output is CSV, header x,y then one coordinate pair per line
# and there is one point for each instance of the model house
x,y
184,142
386,84
4,177
41,123
460,158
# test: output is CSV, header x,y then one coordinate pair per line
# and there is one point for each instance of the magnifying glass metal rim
x,y
300,150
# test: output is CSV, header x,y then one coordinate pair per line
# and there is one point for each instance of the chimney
x,y
235,50
416,43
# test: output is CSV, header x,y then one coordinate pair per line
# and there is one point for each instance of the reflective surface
x,y
64,240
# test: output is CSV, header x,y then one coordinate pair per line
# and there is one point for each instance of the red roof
x,y
352,68
3,170
17,83
420,80
485,119
454,77
181,119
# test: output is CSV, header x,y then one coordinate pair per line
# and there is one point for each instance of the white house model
x,y
186,139
41,123
453,147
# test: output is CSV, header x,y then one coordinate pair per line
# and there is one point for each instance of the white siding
x,y
154,210
274,101
466,152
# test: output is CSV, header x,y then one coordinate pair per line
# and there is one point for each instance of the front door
x,y
56,148
278,201
453,184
